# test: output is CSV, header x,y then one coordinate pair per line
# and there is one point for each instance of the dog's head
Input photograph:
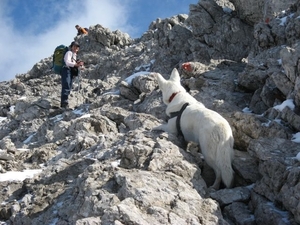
x,y
169,87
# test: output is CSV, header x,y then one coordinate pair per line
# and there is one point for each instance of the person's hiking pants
x,y
66,85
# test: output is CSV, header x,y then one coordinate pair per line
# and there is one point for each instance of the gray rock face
x,y
259,11
220,34
102,163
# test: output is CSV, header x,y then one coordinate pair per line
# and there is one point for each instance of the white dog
x,y
200,125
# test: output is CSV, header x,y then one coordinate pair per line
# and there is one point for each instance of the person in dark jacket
x,y
69,71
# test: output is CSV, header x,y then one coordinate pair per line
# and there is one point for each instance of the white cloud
x,y
21,50
49,23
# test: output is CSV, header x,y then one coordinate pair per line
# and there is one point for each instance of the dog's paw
x,y
156,128
161,127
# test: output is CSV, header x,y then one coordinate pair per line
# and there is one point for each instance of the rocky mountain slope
x,y
102,163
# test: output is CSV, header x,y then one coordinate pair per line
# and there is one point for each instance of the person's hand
x,y
79,64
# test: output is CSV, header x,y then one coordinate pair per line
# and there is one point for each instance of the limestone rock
x,y
102,163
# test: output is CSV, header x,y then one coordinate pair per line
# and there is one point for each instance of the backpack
x,y
58,58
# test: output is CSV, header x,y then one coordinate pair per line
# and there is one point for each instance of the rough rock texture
x,y
102,163
260,11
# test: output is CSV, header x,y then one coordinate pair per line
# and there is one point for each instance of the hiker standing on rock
x,y
69,71
81,30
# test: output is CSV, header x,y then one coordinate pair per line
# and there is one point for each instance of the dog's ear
x,y
161,81
175,76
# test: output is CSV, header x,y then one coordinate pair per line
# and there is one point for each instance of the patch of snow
x,y
112,93
246,110
287,103
86,116
18,176
251,186
296,137
266,124
12,109
22,98
298,156
283,214
22,149
116,163
283,20
27,141
57,118
78,111
130,78
278,121
279,61
145,66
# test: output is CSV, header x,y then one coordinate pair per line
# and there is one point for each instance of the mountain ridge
x,y
102,163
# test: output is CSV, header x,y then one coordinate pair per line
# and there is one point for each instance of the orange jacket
x,y
81,31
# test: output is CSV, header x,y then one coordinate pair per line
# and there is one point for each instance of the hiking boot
x,y
64,105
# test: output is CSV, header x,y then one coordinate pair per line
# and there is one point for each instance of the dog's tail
x,y
225,157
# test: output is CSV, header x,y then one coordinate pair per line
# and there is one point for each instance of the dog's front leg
x,y
169,127
163,127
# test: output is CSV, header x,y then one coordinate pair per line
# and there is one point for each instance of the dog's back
x,y
201,125
213,133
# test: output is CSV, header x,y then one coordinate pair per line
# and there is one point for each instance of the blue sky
x,y
31,29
